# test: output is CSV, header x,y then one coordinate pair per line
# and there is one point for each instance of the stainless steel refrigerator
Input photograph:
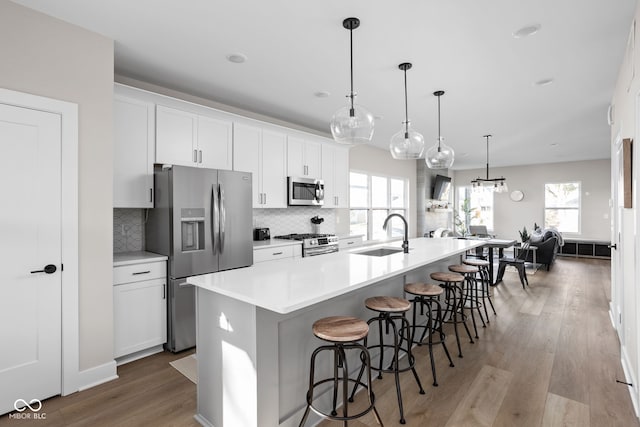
x,y
202,220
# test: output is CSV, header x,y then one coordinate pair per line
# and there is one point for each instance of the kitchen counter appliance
x,y
202,221
261,234
314,244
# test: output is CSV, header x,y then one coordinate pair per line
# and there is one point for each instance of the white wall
x,y
47,57
374,160
510,216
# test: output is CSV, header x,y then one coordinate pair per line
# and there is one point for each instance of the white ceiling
x,y
464,47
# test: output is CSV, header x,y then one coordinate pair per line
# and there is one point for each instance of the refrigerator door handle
x,y
215,218
223,218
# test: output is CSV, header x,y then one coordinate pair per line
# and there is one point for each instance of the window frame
x,y
579,208
468,190
389,208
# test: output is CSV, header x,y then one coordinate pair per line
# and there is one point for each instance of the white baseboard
x,y
139,355
611,317
630,378
97,375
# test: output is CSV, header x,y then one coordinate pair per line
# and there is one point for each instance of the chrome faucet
x,y
405,242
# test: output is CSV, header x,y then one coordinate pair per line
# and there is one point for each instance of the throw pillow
x,y
536,236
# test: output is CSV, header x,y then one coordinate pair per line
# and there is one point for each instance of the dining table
x,y
491,244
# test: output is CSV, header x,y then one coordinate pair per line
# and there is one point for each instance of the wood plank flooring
x,y
549,358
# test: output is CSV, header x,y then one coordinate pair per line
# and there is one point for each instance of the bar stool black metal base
x,y
387,320
432,327
340,361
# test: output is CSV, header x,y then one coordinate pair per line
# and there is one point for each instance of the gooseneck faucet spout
x,y
405,242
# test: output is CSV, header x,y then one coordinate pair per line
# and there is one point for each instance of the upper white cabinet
x,y
335,174
134,148
303,157
189,139
261,150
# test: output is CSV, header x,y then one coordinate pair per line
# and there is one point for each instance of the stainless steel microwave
x,y
305,191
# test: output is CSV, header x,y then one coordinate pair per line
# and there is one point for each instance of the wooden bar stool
x,y
390,310
470,291
452,284
343,332
426,296
485,282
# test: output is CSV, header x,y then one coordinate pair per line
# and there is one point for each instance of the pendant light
x,y
497,185
440,156
352,124
406,144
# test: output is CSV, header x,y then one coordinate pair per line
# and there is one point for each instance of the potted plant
x,y
524,235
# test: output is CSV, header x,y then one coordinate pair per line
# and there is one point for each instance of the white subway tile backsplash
x,y
294,219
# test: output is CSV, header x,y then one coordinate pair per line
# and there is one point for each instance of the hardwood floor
x,y
549,358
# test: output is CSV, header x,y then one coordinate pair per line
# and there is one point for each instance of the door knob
x,y
614,246
49,269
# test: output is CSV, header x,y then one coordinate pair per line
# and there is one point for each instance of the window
x,y
373,198
473,208
562,206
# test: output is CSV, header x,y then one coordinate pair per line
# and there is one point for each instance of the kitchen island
x,y
254,334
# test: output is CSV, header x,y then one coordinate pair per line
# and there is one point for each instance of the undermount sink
x,y
380,251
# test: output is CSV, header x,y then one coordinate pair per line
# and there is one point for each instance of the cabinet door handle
x,y
195,156
151,195
349,243
199,156
164,291
265,198
277,253
140,272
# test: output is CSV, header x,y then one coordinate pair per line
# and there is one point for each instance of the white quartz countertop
x,y
274,243
287,285
137,257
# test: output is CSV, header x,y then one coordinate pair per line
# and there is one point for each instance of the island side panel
x,y
227,362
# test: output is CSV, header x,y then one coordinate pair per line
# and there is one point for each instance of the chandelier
x,y
497,185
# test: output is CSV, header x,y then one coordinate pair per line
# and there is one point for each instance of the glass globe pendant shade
x,y
407,144
440,156
352,124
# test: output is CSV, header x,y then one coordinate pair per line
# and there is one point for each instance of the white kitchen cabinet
x,y
335,173
139,308
134,148
189,139
279,252
303,157
261,150
349,242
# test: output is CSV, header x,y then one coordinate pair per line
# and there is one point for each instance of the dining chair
x,y
518,262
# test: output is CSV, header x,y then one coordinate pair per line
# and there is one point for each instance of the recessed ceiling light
x,y
321,94
544,82
237,58
554,144
526,31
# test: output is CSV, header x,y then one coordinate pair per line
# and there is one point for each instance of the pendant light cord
x,y
352,110
439,134
487,136
406,108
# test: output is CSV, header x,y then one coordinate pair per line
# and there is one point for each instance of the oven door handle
x,y
313,252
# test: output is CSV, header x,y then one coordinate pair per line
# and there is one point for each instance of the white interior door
x,y
30,226
617,290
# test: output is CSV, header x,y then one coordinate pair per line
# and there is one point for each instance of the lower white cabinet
x,y
279,252
139,307
349,242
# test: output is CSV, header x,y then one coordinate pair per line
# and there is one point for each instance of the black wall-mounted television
x,y
441,188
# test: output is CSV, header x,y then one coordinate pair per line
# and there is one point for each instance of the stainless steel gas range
x,y
314,244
